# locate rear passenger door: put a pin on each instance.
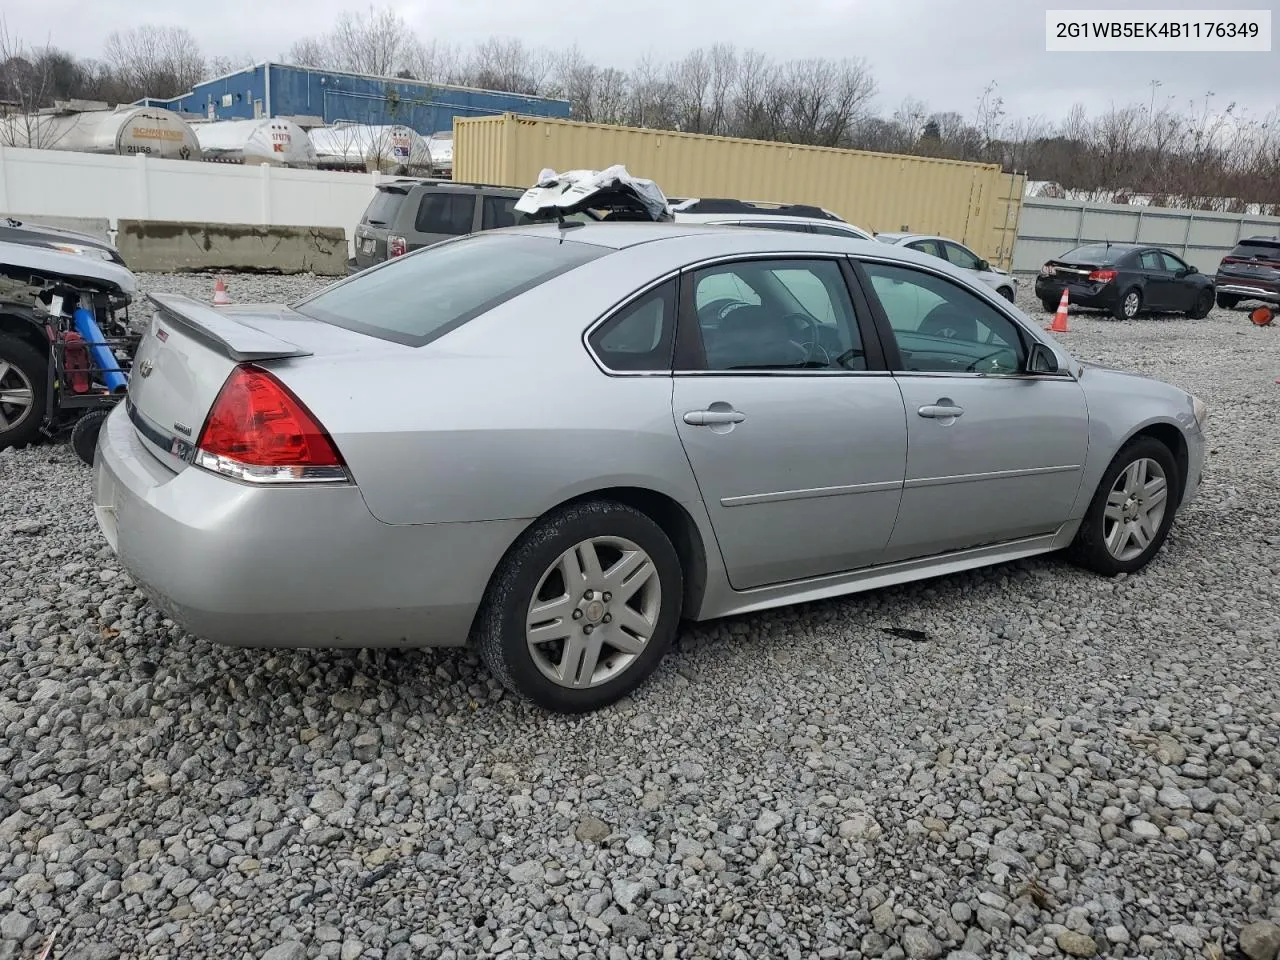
(792, 427)
(442, 214)
(1159, 293)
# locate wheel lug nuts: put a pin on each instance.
(577, 614)
(588, 628)
(607, 597)
(589, 595)
(608, 618)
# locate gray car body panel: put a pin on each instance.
(457, 446)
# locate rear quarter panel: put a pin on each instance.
(503, 418)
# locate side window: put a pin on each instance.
(498, 212)
(724, 289)
(777, 225)
(1171, 263)
(961, 257)
(1151, 260)
(825, 230)
(926, 246)
(445, 212)
(942, 328)
(640, 335)
(797, 316)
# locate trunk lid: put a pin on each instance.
(188, 351)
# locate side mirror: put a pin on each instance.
(1042, 359)
(1187, 271)
(983, 266)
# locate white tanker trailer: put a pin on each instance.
(275, 141)
(125, 130)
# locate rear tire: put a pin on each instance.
(1228, 301)
(1050, 306)
(565, 617)
(24, 378)
(84, 435)
(1202, 306)
(1121, 531)
(1007, 293)
(1128, 305)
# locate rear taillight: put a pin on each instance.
(1102, 276)
(258, 431)
(396, 246)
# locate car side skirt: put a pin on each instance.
(724, 602)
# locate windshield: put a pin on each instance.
(418, 298)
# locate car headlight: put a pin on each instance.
(1201, 410)
(82, 251)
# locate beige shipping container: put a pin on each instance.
(975, 203)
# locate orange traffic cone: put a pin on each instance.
(220, 298)
(1059, 324)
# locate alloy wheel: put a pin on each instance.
(1131, 303)
(1135, 509)
(595, 609)
(16, 396)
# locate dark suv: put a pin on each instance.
(406, 214)
(1250, 272)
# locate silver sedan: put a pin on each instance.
(555, 442)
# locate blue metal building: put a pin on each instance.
(278, 90)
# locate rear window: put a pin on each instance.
(1094, 253)
(1262, 249)
(383, 207)
(418, 298)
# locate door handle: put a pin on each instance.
(707, 418)
(940, 411)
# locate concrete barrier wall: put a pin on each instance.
(170, 245)
(61, 183)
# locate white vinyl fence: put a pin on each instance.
(1048, 228)
(60, 183)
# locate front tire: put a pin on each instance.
(1007, 293)
(1128, 305)
(582, 608)
(24, 375)
(1204, 303)
(1227, 301)
(1131, 512)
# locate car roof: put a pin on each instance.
(688, 242)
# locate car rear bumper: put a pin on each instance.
(1248, 288)
(1079, 292)
(286, 567)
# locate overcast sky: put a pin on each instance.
(939, 51)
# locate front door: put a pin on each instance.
(993, 454)
(796, 437)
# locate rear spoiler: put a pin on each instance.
(221, 331)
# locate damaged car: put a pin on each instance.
(65, 343)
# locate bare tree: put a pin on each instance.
(153, 61)
(27, 83)
(377, 41)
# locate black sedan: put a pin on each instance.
(1125, 279)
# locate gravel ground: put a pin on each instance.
(1058, 764)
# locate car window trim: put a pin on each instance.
(893, 356)
(690, 360)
